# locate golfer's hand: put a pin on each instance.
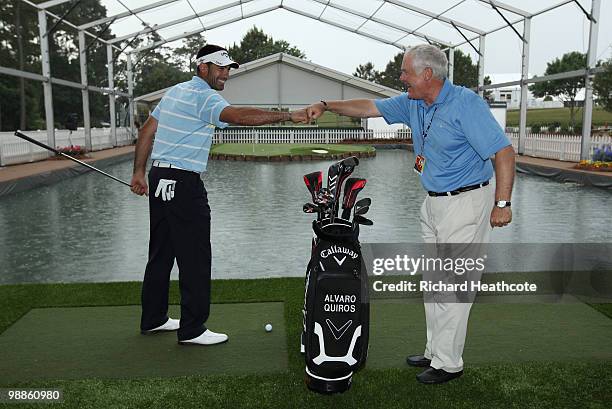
(315, 111)
(501, 217)
(139, 184)
(166, 189)
(299, 116)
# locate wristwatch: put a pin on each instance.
(502, 203)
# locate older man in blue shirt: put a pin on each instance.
(454, 136)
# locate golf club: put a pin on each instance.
(42, 145)
(353, 187)
(365, 201)
(361, 206)
(310, 208)
(313, 182)
(360, 211)
(362, 220)
(347, 188)
(347, 166)
(336, 175)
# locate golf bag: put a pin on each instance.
(336, 307)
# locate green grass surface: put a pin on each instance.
(567, 381)
(273, 149)
(107, 344)
(560, 115)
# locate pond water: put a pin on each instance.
(91, 229)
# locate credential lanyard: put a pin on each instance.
(426, 131)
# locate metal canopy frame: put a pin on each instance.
(468, 32)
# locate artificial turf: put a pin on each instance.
(566, 382)
(106, 343)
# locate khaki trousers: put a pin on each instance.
(464, 218)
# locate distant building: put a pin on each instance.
(511, 94)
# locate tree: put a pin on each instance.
(390, 77)
(158, 76)
(156, 68)
(256, 44)
(602, 86)
(19, 99)
(367, 72)
(566, 88)
(465, 73)
(187, 52)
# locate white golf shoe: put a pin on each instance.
(170, 325)
(207, 338)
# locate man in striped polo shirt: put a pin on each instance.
(180, 130)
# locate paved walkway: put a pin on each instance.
(557, 164)
(15, 172)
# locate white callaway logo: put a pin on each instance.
(340, 261)
(338, 250)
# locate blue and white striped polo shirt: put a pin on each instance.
(187, 116)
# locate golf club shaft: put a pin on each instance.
(42, 145)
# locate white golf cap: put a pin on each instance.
(220, 58)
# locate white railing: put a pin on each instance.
(14, 150)
(306, 135)
(556, 146)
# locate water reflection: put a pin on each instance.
(90, 228)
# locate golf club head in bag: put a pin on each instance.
(360, 211)
(358, 219)
(310, 208)
(351, 190)
(314, 182)
(365, 201)
(336, 175)
(362, 206)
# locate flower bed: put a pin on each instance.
(75, 151)
(597, 166)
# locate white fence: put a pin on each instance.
(306, 135)
(555, 146)
(15, 150)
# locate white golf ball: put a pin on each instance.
(268, 327)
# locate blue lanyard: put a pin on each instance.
(424, 131)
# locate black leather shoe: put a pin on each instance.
(418, 361)
(432, 376)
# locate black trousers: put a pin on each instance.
(179, 229)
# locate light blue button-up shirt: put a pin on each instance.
(461, 139)
(187, 116)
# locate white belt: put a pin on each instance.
(160, 164)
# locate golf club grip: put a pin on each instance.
(35, 142)
(87, 165)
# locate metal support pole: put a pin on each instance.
(587, 116)
(279, 83)
(111, 95)
(481, 50)
(451, 63)
(46, 72)
(524, 86)
(130, 80)
(84, 91)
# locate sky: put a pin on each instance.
(552, 34)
